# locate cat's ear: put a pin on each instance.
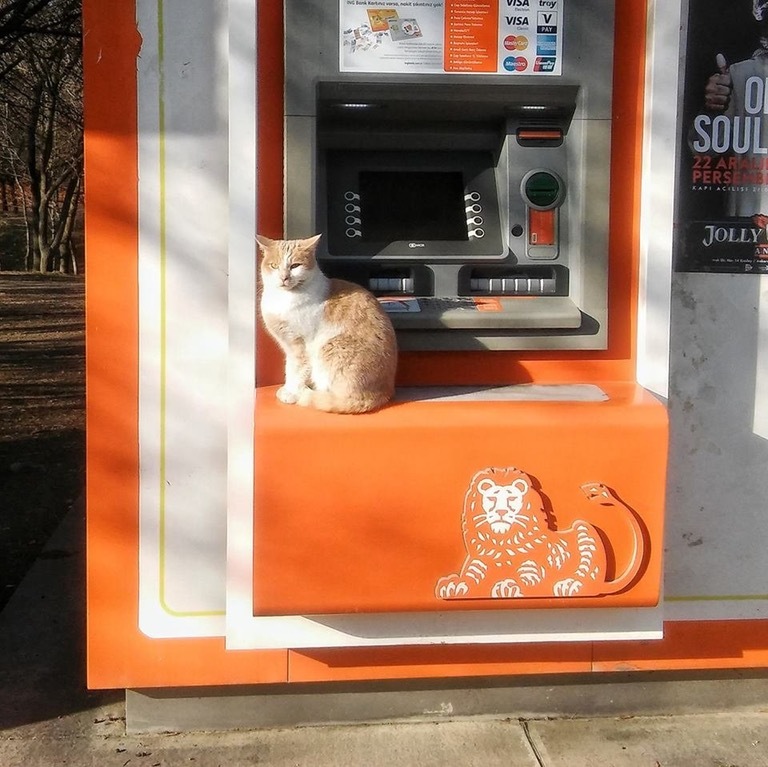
(311, 242)
(264, 242)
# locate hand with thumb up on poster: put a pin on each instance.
(717, 93)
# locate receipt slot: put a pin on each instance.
(477, 202)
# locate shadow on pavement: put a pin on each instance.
(42, 636)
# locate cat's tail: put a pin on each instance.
(597, 492)
(353, 404)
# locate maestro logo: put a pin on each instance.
(515, 64)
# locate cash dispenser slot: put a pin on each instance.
(514, 281)
(386, 280)
(394, 281)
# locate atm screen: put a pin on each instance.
(412, 205)
(409, 205)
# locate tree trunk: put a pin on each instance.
(68, 213)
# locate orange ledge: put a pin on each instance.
(374, 519)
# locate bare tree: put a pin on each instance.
(19, 18)
(41, 123)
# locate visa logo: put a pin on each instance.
(518, 4)
(517, 21)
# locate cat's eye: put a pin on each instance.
(294, 266)
(272, 265)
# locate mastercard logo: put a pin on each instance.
(515, 42)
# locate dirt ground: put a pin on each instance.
(42, 414)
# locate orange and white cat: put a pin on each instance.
(339, 345)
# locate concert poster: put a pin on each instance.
(722, 195)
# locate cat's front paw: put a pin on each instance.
(287, 395)
(305, 397)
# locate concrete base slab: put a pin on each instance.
(596, 695)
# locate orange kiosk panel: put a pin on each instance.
(430, 505)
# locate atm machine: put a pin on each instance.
(456, 158)
(477, 203)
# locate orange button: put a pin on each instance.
(541, 227)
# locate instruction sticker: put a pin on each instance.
(510, 37)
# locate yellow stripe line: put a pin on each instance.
(163, 537)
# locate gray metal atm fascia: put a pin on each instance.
(312, 54)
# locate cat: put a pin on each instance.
(513, 551)
(339, 344)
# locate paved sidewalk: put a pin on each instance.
(47, 718)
